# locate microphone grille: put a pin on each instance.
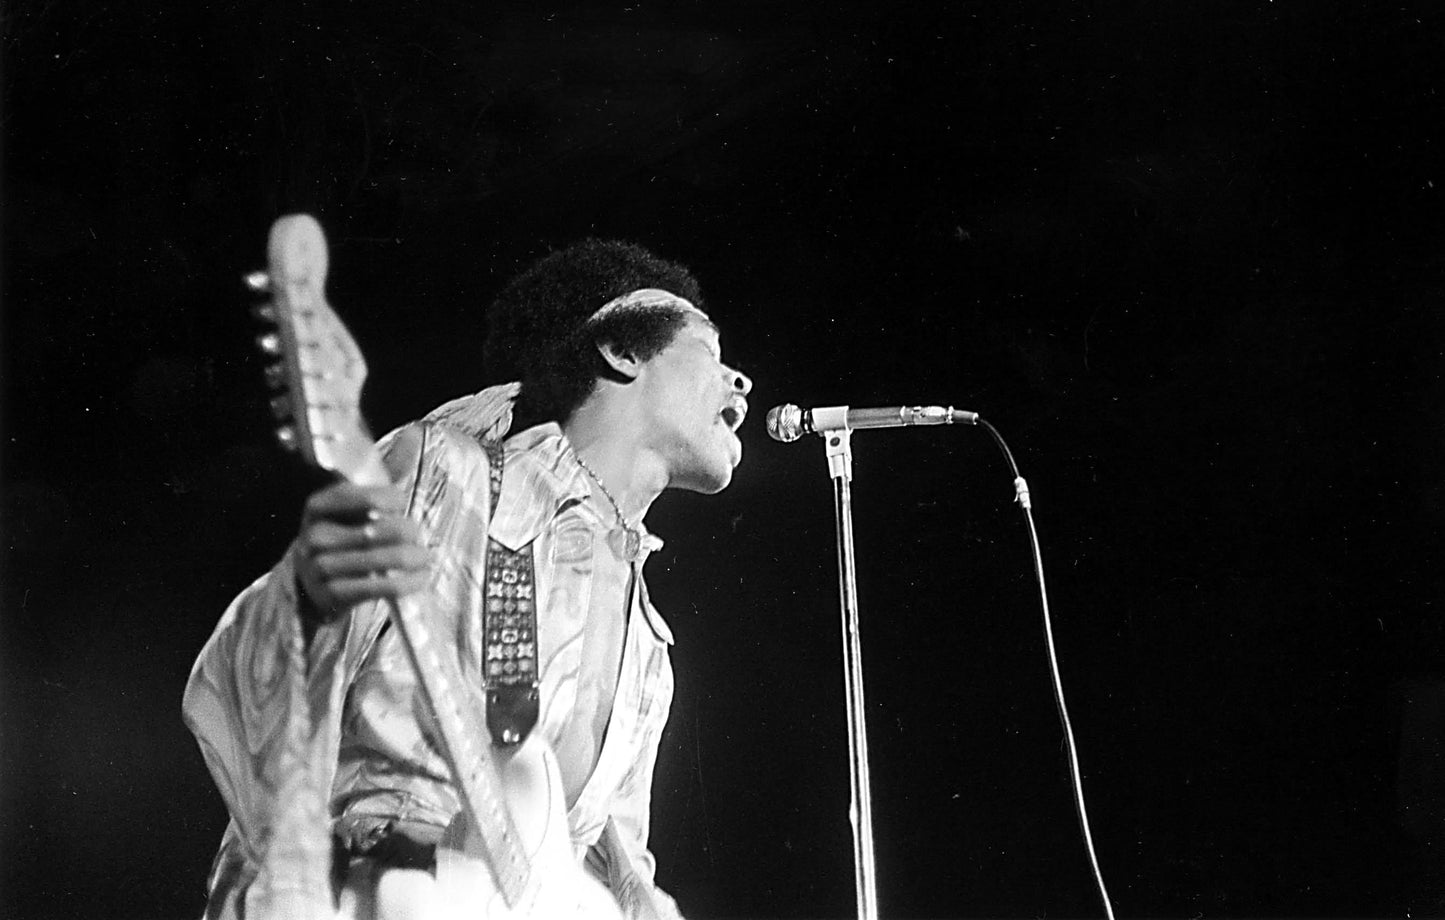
(785, 422)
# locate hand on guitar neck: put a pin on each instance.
(356, 544)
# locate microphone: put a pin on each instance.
(788, 422)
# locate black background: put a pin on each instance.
(1189, 257)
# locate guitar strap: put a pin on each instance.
(509, 629)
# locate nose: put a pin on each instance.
(740, 382)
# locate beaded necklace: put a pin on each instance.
(633, 539)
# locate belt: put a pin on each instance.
(392, 845)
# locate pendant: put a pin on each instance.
(626, 544)
(631, 546)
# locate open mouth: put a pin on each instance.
(734, 412)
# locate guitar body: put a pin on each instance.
(507, 853)
(534, 793)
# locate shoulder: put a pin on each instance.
(426, 439)
(425, 450)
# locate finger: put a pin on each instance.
(377, 586)
(402, 559)
(346, 501)
(325, 535)
(341, 498)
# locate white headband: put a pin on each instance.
(645, 299)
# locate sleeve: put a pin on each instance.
(265, 707)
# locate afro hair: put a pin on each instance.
(538, 330)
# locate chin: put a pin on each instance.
(708, 480)
(707, 468)
(708, 484)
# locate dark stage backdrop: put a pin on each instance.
(1188, 256)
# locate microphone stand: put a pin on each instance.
(860, 812)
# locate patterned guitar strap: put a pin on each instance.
(509, 629)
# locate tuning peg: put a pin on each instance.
(270, 343)
(281, 407)
(275, 376)
(260, 282)
(265, 312)
(286, 437)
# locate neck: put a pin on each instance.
(633, 474)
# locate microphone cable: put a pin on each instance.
(1021, 490)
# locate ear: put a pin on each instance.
(623, 363)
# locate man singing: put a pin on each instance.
(622, 373)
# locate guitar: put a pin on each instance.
(507, 854)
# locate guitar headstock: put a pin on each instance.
(320, 371)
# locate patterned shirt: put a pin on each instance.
(600, 638)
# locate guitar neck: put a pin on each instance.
(461, 733)
(462, 737)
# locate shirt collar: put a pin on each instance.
(541, 478)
